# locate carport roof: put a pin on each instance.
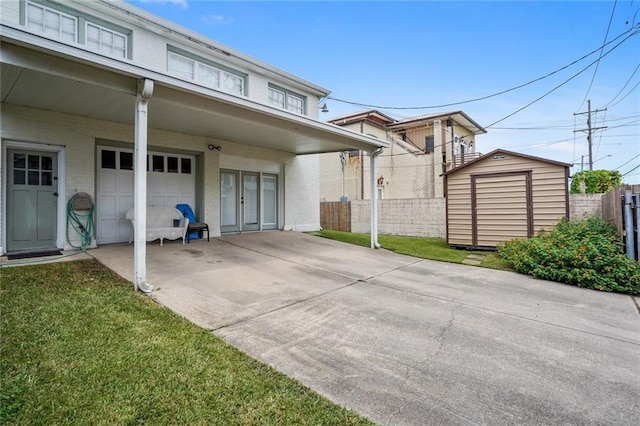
(45, 74)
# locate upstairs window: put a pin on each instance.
(62, 23)
(205, 74)
(107, 41)
(52, 23)
(284, 99)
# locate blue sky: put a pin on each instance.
(427, 53)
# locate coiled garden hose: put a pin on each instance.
(82, 223)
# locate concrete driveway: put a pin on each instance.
(403, 340)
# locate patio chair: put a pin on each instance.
(195, 229)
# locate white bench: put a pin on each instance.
(160, 223)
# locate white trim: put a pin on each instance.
(62, 198)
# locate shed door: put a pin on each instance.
(502, 208)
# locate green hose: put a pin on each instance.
(82, 224)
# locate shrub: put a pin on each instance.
(587, 253)
(596, 181)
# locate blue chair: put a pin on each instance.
(195, 229)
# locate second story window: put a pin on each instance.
(284, 99)
(107, 41)
(62, 23)
(205, 74)
(52, 23)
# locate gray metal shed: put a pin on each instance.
(504, 195)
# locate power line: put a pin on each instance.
(624, 164)
(493, 94)
(628, 93)
(595, 71)
(623, 87)
(563, 83)
(636, 167)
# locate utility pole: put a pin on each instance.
(590, 129)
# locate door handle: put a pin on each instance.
(55, 194)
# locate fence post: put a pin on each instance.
(628, 226)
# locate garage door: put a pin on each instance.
(501, 206)
(170, 181)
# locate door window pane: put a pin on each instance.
(250, 199)
(19, 177)
(34, 162)
(186, 165)
(19, 161)
(228, 199)
(108, 159)
(172, 164)
(47, 163)
(126, 161)
(34, 178)
(269, 199)
(46, 179)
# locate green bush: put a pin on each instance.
(587, 253)
(596, 181)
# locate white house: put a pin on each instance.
(104, 98)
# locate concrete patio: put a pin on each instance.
(404, 340)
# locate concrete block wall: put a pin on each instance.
(419, 217)
(581, 205)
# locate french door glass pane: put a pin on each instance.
(269, 199)
(228, 201)
(250, 193)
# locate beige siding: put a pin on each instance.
(501, 209)
(549, 200)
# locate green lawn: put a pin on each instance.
(425, 248)
(79, 346)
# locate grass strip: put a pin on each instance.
(78, 346)
(424, 248)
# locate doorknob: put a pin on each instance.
(55, 194)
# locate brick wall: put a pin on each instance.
(420, 217)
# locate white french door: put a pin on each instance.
(248, 201)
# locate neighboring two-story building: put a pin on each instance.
(94, 92)
(420, 150)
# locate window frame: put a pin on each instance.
(81, 20)
(287, 95)
(224, 73)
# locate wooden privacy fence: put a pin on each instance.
(612, 204)
(335, 215)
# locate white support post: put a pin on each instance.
(374, 197)
(145, 90)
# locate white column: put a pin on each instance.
(145, 90)
(374, 197)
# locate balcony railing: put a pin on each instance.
(460, 159)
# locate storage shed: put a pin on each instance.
(504, 195)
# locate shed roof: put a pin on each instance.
(504, 151)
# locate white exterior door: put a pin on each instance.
(170, 181)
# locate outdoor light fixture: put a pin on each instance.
(324, 108)
(212, 147)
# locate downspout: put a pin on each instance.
(145, 91)
(374, 198)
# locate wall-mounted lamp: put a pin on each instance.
(212, 147)
(324, 108)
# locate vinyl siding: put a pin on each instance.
(502, 200)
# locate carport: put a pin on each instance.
(403, 340)
(47, 75)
